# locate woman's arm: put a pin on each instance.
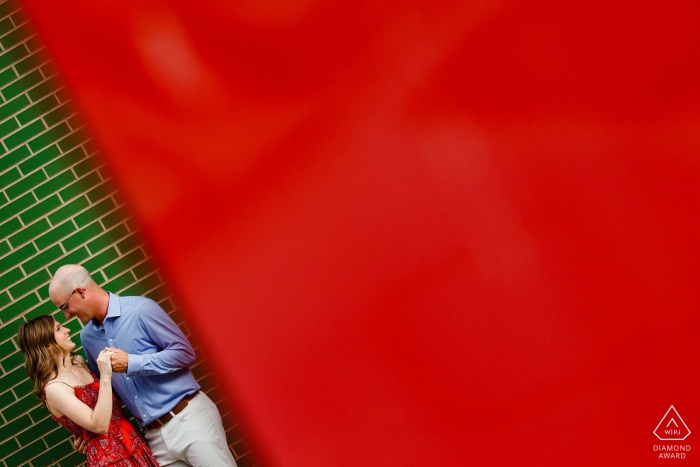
(63, 401)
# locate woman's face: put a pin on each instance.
(62, 337)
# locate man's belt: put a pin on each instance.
(159, 422)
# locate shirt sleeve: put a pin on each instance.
(175, 350)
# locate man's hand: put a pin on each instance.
(120, 360)
(80, 445)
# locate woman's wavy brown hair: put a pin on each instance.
(36, 339)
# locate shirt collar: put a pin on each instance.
(113, 311)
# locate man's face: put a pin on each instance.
(74, 305)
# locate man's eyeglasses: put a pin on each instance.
(64, 307)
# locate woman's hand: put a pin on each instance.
(104, 363)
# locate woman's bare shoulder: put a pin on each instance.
(80, 359)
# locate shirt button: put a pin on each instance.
(127, 378)
(136, 397)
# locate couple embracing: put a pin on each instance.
(133, 347)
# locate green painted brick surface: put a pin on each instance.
(4, 299)
(72, 140)
(10, 176)
(82, 235)
(7, 347)
(77, 256)
(14, 54)
(9, 445)
(54, 184)
(10, 227)
(22, 84)
(26, 184)
(7, 76)
(13, 361)
(108, 238)
(54, 454)
(18, 35)
(24, 134)
(19, 306)
(45, 308)
(15, 426)
(30, 282)
(129, 243)
(54, 234)
(66, 160)
(17, 256)
(44, 89)
(89, 214)
(8, 127)
(26, 453)
(55, 116)
(21, 406)
(99, 192)
(37, 110)
(29, 233)
(29, 63)
(80, 186)
(6, 25)
(125, 262)
(16, 206)
(72, 460)
(42, 157)
(49, 137)
(9, 329)
(14, 157)
(100, 259)
(40, 209)
(68, 209)
(11, 276)
(42, 258)
(36, 431)
(13, 106)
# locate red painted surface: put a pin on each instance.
(416, 233)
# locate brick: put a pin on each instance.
(129, 243)
(53, 134)
(76, 121)
(11, 226)
(10, 176)
(7, 398)
(94, 212)
(88, 165)
(6, 331)
(56, 452)
(40, 413)
(80, 186)
(18, 35)
(26, 453)
(11, 429)
(9, 57)
(27, 132)
(29, 63)
(120, 282)
(17, 256)
(8, 127)
(19, 17)
(114, 217)
(25, 387)
(39, 159)
(40, 209)
(19, 86)
(32, 282)
(26, 184)
(18, 408)
(11, 362)
(55, 234)
(63, 95)
(36, 431)
(37, 110)
(68, 210)
(99, 192)
(66, 160)
(100, 259)
(13, 157)
(108, 238)
(42, 258)
(55, 437)
(73, 257)
(246, 460)
(144, 269)
(83, 236)
(54, 184)
(55, 116)
(48, 69)
(6, 8)
(16, 206)
(13, 106)
(5, 26)
(123, 263)
(72, 140)
(8, 76)
(45, 308)
(161, 293)
(8, 446)
(4, 300)
(18, 307)
(44, 89)
(28, 233)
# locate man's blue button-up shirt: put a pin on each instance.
(158, 374)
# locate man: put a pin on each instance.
(151, 372)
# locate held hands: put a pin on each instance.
(104, 363)
(119, 358)
(80, 445)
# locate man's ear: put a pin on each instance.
(80, 291)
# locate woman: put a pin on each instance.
(77, 400)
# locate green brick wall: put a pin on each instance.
(57, 206)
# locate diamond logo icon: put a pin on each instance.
(672, 427)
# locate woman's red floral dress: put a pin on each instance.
(121, 446)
